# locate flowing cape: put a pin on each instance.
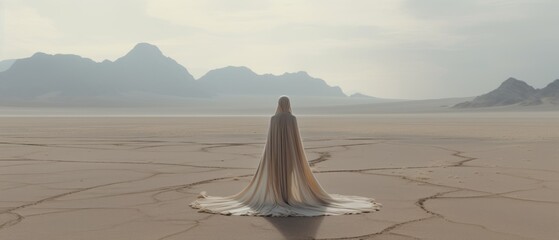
(284, 184)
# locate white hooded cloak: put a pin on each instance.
(284, 184)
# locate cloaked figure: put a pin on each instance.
(284, 184)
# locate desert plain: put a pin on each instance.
(438, 176)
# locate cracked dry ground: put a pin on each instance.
(438, 177)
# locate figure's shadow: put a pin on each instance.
(296, 227)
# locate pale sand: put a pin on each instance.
(441, 176)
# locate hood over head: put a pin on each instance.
(283, 105)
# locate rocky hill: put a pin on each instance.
(513, 91)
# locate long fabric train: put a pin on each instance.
(284, 184)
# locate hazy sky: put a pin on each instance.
(385, 48)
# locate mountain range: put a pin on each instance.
(145, 77)
(515, 92)
(143, 71)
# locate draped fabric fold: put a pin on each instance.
(284, 184)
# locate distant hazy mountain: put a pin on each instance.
(513, 91)
(146, 69)
(143, 70)
(550, 93)
(229, 81)
(6, 64)
(360, 95)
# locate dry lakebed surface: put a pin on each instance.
(438, 176)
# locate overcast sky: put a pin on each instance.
(385, 48)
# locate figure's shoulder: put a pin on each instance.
(284, 115)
